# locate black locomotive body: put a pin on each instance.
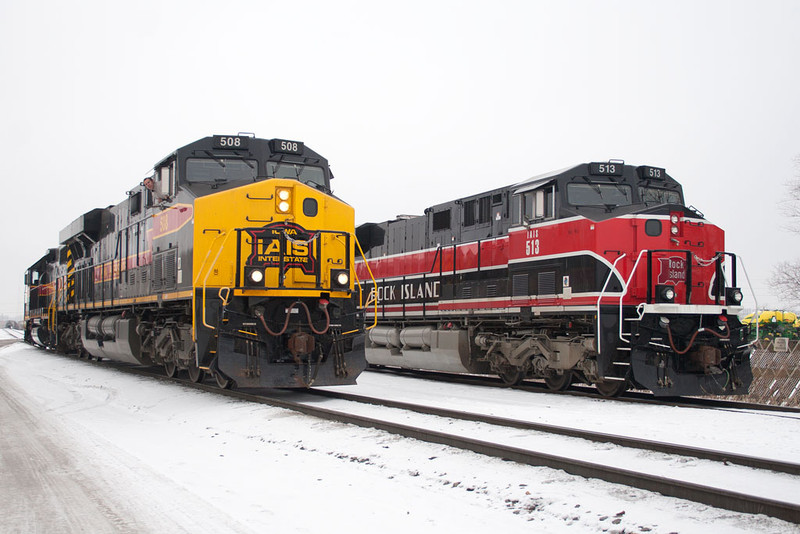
(233, 259)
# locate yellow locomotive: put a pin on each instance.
(232, 259)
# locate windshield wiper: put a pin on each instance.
(593, 185)
(619, 187)
(621, 190)
(221, 162)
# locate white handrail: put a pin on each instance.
(625, 292)
(600, 298)
(627, 285)
(756, 314)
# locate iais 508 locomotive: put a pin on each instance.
(232, 259)
(598, 273)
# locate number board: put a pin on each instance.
(287, 147)
(652, 173)
(606, 169)
(230, 142)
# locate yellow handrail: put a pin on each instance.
(51, 315)
(374, 285)
(197, 278)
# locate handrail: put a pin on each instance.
(360, 291)
(227, 236)
(600, 298)
(753, 295)
(194, 285)
(437, 256)
(649, 282)
(625, 291)
(207, 275)
(52, 315)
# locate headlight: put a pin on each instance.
(254, 276)
(674, 230)
(674, 219)
(340, 278)
(665, 293)
(284, 200)
(733, 296)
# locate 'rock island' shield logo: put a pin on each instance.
(297, 242)
(673, 270)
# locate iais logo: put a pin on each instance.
(295, 241)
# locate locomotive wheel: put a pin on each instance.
(196, 374)
(611, 388)
(511, 376)
(223, 382)
(171, 369)
(559, 382)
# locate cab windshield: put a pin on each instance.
(652, 195)
(220, 170)
(599, 194)
(314, 176)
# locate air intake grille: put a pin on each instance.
(164, 270)
(519, 285)
(547, 283)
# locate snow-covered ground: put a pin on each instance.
(765, 434)
(86, 448)
(10, 334)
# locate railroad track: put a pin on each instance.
(709, 495)
(578, 390)
(599, 437)
(700, 493)
(12, 336)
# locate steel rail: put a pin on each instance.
(634, 397)
(591, 435)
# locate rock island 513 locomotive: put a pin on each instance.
(598, 273)
(232, 259)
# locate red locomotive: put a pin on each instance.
(598, 273)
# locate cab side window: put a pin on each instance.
(536, 205)
(136, 203)
(165, 184)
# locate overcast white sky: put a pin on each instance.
(413, 102)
